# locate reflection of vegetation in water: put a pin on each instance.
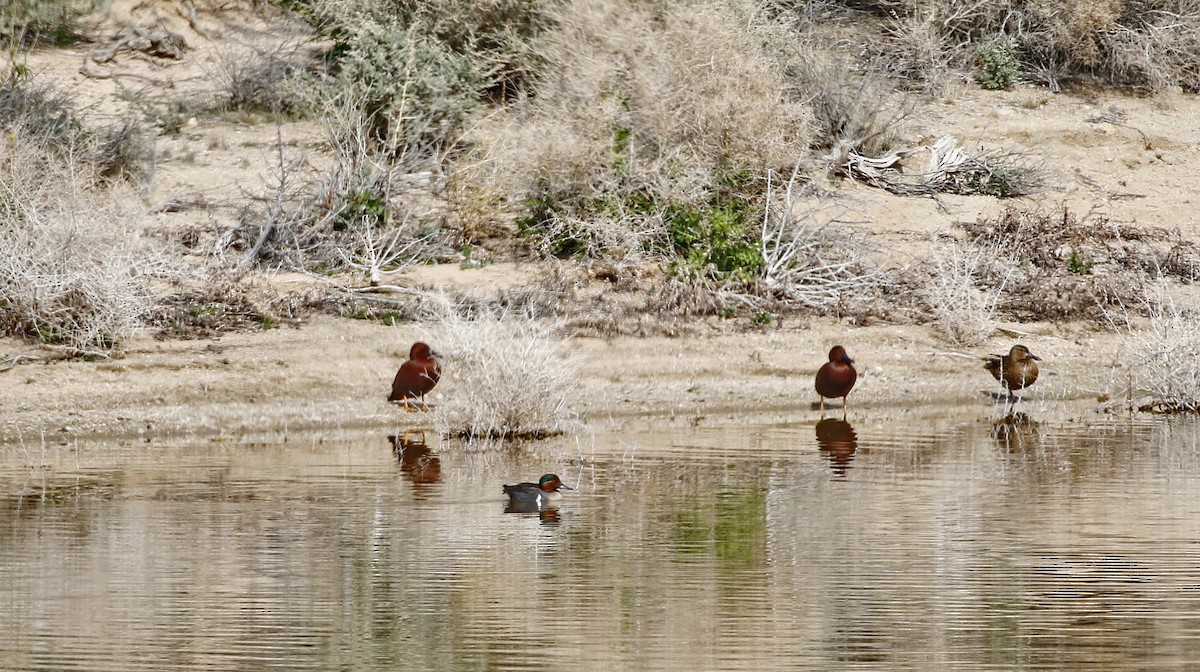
(732, 526)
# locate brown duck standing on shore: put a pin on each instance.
(836, 378)
(1016, 370)
(416, 377)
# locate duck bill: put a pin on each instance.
(564, 486)
(1033, 356)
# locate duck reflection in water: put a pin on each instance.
(548, 515)
(417, 461)
(1016, 432)
(838, 442)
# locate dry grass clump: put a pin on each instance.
(74, 268)
(1164, 360)
(1072, 266)
(267, 80)
(504, 376)
(42, 117)
(854, 108)
(1156, 48)
(36, 22)
(210, 301)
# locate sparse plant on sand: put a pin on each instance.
(504, 376)
(963, 309)
(36, 22)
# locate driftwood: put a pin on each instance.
(949, 169)
(152, 43)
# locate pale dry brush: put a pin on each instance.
(347, 212)
(963, 309)
(807, 260)
(1163, 370)
(74, 266)
(504, 376)
(1157, 49)
(649, 107)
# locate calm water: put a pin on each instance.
(959, 547)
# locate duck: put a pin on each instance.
(1016, 370)
(836, 378)
(416, 377)
(544, 492)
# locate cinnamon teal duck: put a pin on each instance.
(836, 378)
(1016, 370)
(416, 377)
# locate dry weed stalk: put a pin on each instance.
(504, 376)
(961, 309)
(378, 251)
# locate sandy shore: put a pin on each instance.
(334, 373)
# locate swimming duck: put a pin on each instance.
(545, 491)
(1016, 370)
(416, 377)
(836, 378)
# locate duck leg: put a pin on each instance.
(845, 406)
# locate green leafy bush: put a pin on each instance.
(998, 60)
(416, 91)
(715, 239)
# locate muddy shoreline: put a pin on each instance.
(333, 373)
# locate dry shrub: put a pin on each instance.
(73, 266)
(962, 306)
(1072, 266)
(504, 376)
(372, 210)
(263, 80)
(809, 260)
(1147, 44)
(646, 107)
(1156, 46)
(210, 301)
(914, 47)
(854, 108)
(1164, 353)
(41, 118)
